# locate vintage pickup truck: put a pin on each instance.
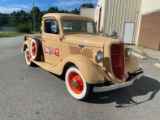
(69, 44)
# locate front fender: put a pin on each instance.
(91, 72)
(131, 65)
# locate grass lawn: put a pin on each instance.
(2, 35)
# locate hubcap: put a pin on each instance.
(75, 82)
(33, 49)
(27, 55)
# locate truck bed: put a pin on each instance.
(32, 36)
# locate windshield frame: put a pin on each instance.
(80, 20)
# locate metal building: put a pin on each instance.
(89, 12)
(120, 16)
(134, 21)
(149, 35)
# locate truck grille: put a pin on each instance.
(117, 59)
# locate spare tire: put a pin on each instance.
(35, 49)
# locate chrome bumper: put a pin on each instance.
(132, 77)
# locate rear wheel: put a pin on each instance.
(28, 58)
(35, 49)
(76, 85)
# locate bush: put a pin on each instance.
(24, 28)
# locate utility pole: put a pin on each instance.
(33, 18)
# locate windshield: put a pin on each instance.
(78, 26)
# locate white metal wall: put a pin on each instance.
(150, 6)
(114, 15)
(89, 12)
(101, 4)
(118, 12)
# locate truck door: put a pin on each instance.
(51, 41)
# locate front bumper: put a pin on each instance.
(132, 77)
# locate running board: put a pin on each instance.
(44, 65)
(53, 68)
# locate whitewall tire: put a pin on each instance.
(76, 85)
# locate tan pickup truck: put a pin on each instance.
(69, 44)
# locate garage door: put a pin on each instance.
(128, 33)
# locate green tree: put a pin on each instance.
(87, 5)
(24, 28)
(3, 20)
(23, 16)
(53, 10)
(37, 13)
(75, 11)
(63, 11)
(22, 19)
(13, 19)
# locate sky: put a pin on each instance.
(8, 6)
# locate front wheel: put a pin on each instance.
(76, 85)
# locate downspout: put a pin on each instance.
(105, 12)
(139, 22)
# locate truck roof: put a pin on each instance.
(64, 15)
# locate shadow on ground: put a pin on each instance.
(124, 96)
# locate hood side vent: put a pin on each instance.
(85, 51)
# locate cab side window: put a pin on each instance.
(51, 26)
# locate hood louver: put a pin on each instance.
(85, 51)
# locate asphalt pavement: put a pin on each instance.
(31, 93)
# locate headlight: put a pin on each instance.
(99, 56)
(128, 51)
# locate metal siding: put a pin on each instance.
(127, 11)
(134, 10)
(102, 6)
(149, 6)
(137, 19)
(121, 18)
(115, 13)
(89, 12)
(121, 13)
(118, 12)
(118, 15)
(114, 17)
(110, 17)
(106, 23)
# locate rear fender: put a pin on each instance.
(27, 41)
(91, 72)
(24, 46)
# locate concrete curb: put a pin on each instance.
(157, 65)
(138, 55)
(148, 53)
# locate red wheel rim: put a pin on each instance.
(34, 49)
(28, 56)
(75, 82)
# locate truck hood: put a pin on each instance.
(89, 40)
